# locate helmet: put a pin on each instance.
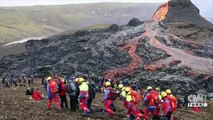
(163, 94)
(120, 86)
(149, 88)
(49, 78)
(168, 91)
(80, 80)
(107, 84)
(123, 89)
(76, 80)
(157, 89)
(127, 89)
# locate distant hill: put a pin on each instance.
(22, 22)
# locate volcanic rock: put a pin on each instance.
(185, 11)
(114, 27)
(134, 22)
(138, 51)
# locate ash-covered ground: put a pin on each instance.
(15, 105)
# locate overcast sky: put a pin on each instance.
(205, 6)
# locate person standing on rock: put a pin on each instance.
(52, 94)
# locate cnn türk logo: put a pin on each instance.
(197, 100)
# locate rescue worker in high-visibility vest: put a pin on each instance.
(132, 99)
(122, 92)
(83, 95)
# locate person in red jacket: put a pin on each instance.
(158, 102)
(52, 89)
(62, 93)
(133, 99)
(37, 95)
(150, 100)
(108, 103)
(166, 106)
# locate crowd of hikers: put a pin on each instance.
(82, 91)
(14, 81)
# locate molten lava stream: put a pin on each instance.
(197, 64)
(132, 47)
(160, 14)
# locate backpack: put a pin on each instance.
(113, 95)
(173, 102)
(59, 87)
(135, 97)
(68, 88)
(53, 87)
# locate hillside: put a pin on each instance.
(183, 19)
(21, 22)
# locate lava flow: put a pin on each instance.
(131, 46)
(160, 14)
(197, 64)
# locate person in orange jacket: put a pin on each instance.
(52, 89)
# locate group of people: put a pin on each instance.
(15, 81)
(153, 99)
(82, 91)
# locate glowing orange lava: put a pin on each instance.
(198, 65)
(160, 14)
(131, 46)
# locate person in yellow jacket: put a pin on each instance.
(84, 95)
